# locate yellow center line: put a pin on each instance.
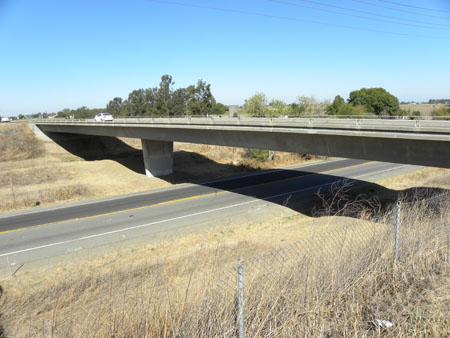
(114, 212)
(178, 200)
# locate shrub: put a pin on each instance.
(259, 154)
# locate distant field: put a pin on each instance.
(424, 109)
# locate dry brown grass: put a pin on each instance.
(29, 175)
(17, 142)
(28, 198)
(331, 286)
(340, 284)
(427, 177)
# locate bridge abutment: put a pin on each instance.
(158, 157)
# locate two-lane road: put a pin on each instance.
(151, 198)
(32, 235)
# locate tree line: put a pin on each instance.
(158, 101)
(198, 99)
(165, 101)
(438, 101)
(376, 101)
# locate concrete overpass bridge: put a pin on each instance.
(419, 142)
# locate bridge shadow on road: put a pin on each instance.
(317, 195)
(336, 196)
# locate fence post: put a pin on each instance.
(447, 230)
(240, 270)
(397, 231)
(9, 265)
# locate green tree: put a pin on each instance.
(219, 109)
(136, 105)
(165, 101)
(177, 102)
(307, 103)
(335, 107)
(340, 107)
(66, 112)
(83, 113)
(303, 105)
(163, 95)
(150, 100)
(115, 106)
(200, 99)
(295, 109)
(256, 105)
(79, 113)
(376, 101)
(278, 108)
(437, 101)
(441, 112)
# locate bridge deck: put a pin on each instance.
(420, 142)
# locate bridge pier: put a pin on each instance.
(158, 157)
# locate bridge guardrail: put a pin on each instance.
(401, 125)
(241, 117)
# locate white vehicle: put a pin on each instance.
(103, 117)
(5, 119)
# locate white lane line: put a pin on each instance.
(155, 191)
(190, 215)
(382, 171)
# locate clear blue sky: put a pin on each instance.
(65, 54)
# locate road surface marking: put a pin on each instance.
(190, 215)
(179, 199)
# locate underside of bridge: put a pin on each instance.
(157, 143)
(157, 155)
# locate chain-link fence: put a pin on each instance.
(266, 293)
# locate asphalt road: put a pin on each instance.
(41, 233)
(52, 215)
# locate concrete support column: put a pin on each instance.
(158, 157)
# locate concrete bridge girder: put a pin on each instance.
(429, 148)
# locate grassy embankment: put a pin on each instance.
(29, 177)
(36, 173)
(149, 291)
